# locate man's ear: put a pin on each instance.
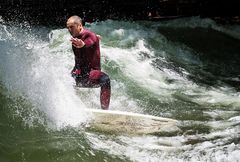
(80, 26)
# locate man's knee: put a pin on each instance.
(95, 74)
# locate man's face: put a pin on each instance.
(73, 28)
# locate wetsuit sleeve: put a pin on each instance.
(90, 40)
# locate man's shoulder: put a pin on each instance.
(87, 31)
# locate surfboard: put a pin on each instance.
(111, 121)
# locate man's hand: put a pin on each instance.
(99, 36)
(78, 43)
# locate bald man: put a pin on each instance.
(87, 70)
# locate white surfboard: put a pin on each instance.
(130, 123)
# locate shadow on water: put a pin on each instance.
(218, 54)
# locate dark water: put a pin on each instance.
(186, 69)
(218, 52)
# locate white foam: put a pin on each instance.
(119, 33)
(42, 75)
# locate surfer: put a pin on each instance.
(87, 70)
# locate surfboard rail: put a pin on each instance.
(112, 121)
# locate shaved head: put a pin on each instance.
(75, 19)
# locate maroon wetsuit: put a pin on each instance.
(87, 71)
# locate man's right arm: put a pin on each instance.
(78, 43)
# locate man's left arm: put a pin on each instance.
(90, 40)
